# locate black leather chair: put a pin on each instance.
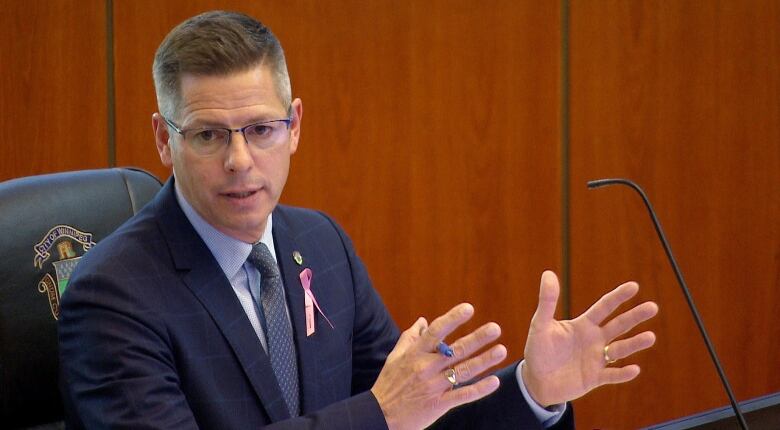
(47, 223)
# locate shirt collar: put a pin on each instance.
(229, 252)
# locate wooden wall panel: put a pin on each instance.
(52, 87)
(684, 98)
(431, 132)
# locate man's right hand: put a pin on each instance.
(412, 388)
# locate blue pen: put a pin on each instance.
(445, 349)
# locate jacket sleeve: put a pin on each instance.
(506, 408)
(116, 371)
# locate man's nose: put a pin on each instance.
(238, 157)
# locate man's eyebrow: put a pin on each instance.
(198, 122)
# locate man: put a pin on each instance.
(215, 307)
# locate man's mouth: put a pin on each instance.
(240, 195)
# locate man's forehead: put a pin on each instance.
(251, 92)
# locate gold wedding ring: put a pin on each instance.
(450, 374)
(606, 356)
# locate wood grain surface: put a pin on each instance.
(434, 132)
(52, 87)
(684, 98)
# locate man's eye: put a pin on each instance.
(259, 130)
(206, 136)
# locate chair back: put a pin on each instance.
(47, 223)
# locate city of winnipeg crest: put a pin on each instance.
(66, 240)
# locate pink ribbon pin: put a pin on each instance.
(310, 300)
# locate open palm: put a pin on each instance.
(566, 359)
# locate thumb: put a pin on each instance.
(549, 289)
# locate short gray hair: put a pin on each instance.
(216, 43)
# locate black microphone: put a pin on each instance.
(734, 405)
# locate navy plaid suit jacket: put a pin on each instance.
(152, 335)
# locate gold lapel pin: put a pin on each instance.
(298, 257)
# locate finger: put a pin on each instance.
(623, 348)
(611, 301)
(469, 393)
(474, 341)
(549, 289)
(469, 369)
(418, 327)
(628, 320)
(444, 325)
(618, 375)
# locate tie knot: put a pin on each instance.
(262, 259)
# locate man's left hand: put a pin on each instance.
(564, 360)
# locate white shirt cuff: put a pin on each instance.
(548, 417)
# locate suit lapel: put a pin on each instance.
(209, 284)
(306, 346)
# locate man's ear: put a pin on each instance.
(162, 138)
(295, 126)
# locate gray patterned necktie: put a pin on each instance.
(279, 338)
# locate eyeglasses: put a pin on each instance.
(210, 140)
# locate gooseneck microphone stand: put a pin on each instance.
(734, 405)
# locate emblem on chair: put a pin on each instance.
(62, 237)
